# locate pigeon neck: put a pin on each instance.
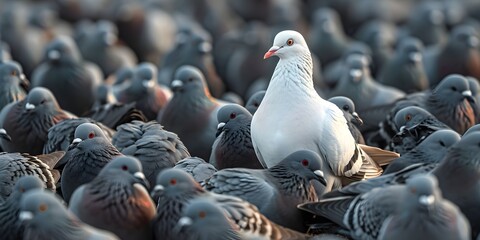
(292, 184)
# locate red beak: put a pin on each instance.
(271, 52)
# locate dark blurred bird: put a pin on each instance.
(13, 83)
(143, 89)
(27, 121)
(89, 152)
(101, 46)
(254, 101)
(353, 120)
(155, 147)
(192, 112)
(427, 23)
(233, 145)
(115, 114)
(71, 80)
(197, 167)
(117, 200)
(405, 69)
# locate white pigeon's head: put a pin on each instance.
(288, 44)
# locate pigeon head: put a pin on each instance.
(189, 78)
(40, 99)
(86, 131)
(144, 78)
(328, 20)
(107, 32)
(127, 166)
(229, 114)
(123, 75)
(474, 86)
(62, 50)
(27, 183)
(358, 48)
(254, 101)
(173, 183)
(410, 116)
(204, 219)
(288, 44)
(466, 152)
(348, 107)
(356, 68)
(38, 207)
(304, 163)
(441, 140)
(410, 50)
(428, 13)
(11, 72)
(456, 87)
(464, 37)
(474, 128)
(424, 191)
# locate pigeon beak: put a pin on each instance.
(53, 55)
(22, 76)
(176, 85)
(356, 74)
(205, 47)
(220, 125)
(156, 190)
(148, 83)
(426, 200)
(4, 135)
(25, 215)
(357, 118)
(109, 38)
(415, 56)
(29, 106)
(473, 41)
(321, 177)
(184, 221)
(402, 129)
(436, 17)
(76, 140)
(271, 52)
(467, 93)
(140, 176)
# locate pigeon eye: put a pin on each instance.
(408, 117)
(441, 143)
(256, 104)
(21, 189)
(413, 190)
(202, 214)
(454, 88)
(290, 42)
(305, 162)
(91, 135)
(43, 101)
(190, 79)
(124, 167)
(13, 73)
(43, 207)
(233, 115)
(346, 107)
(173, 181)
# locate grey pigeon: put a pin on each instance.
(101, 46)
(254, 101)
(275, 191)
(427, 23)
(357, 84)
(430, 150)
(291, 101)
(150, 97)
(61, 135)
(414, 124)
(175, 188)
(405, 70)
(115, 114)
(233, 146)
(192, 112)
(13, 83)
(15, 165)
(117, 200)
(89, 152)
(362, 215)
(203, 220)
(197, 167)
(424, 214)
(27, 121)
(11, 227)
(45, 217)
(353, 120)
(155, 147)
(472, 129)
(72, 81)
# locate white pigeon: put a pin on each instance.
(292, 116)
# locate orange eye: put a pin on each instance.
(173, 181)
(305, 162)
(290, 42)
(124, 167)
(42, 207)
(91, 135)
(202, 214)
(408, 117)
(13, 73)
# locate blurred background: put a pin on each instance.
(226, 39)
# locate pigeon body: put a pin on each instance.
(155, 147)
(275, 191)
(72, 81)
(291, 101)
(197, 168)
(27, 121)
(46, 217)
(424, 214)
(117, 200)
(192, 112)
(89, 152)
(13, 84)
(233, 145)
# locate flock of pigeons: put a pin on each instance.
(160, 119)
